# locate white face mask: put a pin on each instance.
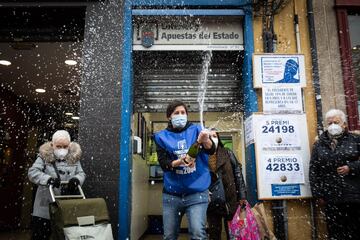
(179, 121)
(216, 142)
(61, 153)
(335, 129)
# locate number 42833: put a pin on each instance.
(275, 167)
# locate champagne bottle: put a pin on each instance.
(194, 150)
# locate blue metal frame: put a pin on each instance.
(124, 201)
(190, 2)
(250, 98)
(251, 104)
(188, 12)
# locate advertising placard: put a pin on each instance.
(282, 156)
(188, 33)
(282, 99)
(283, 168)
(279, 69)
(278, 133)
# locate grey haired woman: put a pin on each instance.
(335, 177)
(58, 160)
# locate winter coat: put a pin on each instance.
(325, 182)
(171, 144)
(234, 185)
(42, 170)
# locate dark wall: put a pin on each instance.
(101, 102)
(17, 118)
(14, 120)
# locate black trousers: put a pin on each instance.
(215, 226)
(41, 228)
(343, 221)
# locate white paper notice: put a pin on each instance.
(278, 132)
(282, 99)
(283, 169)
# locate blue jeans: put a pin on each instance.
(194, 206)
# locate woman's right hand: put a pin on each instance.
(179, 162)
(176, 163)
(184, 160)
(242, 202)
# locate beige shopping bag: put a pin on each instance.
(263, 225)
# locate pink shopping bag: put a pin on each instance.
(243, 226)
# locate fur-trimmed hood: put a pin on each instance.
(46, 152)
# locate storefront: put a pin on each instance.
(136, 56)
(163, 55)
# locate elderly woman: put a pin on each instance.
(58, 160)
(335, 177)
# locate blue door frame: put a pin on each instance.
(250, 98)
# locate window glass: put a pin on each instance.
(354, 29)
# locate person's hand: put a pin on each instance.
(188, 161)
(73, 185)
(191, 164)
(178, 162)
(242, 202)
(55, 182)
(203, 136)
(343, 170)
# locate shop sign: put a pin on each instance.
(279, 69)
(223, 31)
(282, 99)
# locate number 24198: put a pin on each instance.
(278, 129)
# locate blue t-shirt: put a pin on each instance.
(183, 179)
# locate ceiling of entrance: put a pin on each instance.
(37, 41)
(42, 65)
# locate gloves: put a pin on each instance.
(55, 182)
(73, 183)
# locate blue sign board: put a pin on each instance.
(285, 189)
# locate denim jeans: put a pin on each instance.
(194, 206)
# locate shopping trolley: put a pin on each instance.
(76, 217)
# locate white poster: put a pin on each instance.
(279, 69)
(285, 168)
(282, 99)
(282, 156)
(249, 133)
(279, 132)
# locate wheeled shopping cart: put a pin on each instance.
(76, 217)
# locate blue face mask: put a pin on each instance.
(179, 121)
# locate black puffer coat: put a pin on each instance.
(325, 182)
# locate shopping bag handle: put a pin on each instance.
(54, 197)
